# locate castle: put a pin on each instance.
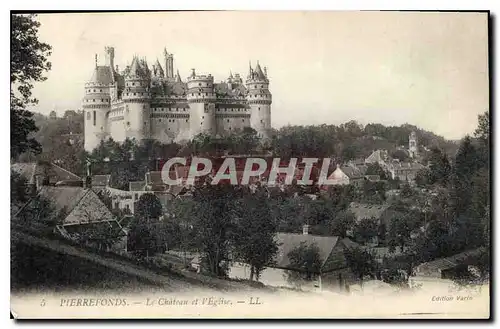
(144, 103)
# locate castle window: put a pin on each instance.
(227, 120)
(242, 120)
(94, 118)
(261, 121)
(100, 90)
(93, 90)
(187, 120)
(159, 120)
(133, 83)
(259, 108)
(93, 100)
(134, 94)
(102, 100)
(199, 84)
(199, 94)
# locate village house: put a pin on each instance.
(333, 275)
(405, 171)
(443, 272)
(38, 174)
(79, 215)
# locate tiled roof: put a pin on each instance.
(377, 156)
(55, 173)
(326, 244)
(351, 172)
(63, 197)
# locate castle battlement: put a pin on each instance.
(144, 103)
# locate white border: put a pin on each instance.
(190, 5)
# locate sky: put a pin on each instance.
(427, 69)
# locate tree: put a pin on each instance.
(401, 155)
(254, 236)
(366, 230)
(214, 214)
(342, 223)
(440, 168)
(305, 263)
(361, 262)
(28, 64)
(149, 207)
(144, 238)
(376, 169)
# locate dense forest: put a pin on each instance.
(61, 139)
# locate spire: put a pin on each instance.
(159, 68)
(230, 74)
(95, 60)
(259, 73)
(178, 77)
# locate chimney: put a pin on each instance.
(305, 229)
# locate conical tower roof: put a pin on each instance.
(159, 68)
(259, 74)
(136, 70)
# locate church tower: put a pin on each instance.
(96, 105)
(259, 99)
(413, 146)
(201, 99)
(136, 97)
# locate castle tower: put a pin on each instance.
(110, 57)
(259, 99)
(413, 145)
(201, 99)
(96, 105)
(136, 97)
(169, 64)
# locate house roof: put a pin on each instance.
(352, 172)
(407, 166)
(377, 156)
(435, 267)
(366, 211)
(326, 245)
(32, 169)
(154, 178)
(137, 186)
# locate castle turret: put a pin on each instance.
(201, 98)
(96, 105)
(158, 70)
(259, 99)
(136, 97)
(169, 64)
(110, 57)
